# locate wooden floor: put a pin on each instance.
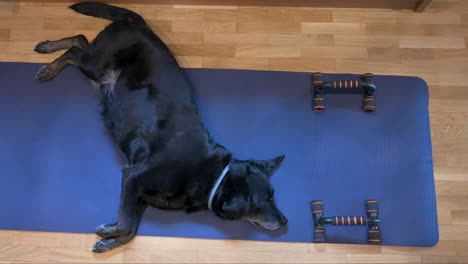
(431, 45)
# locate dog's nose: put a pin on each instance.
(283, 220)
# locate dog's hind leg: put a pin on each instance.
(47, 46)
(113, 236)
(113, 230)
(49, 71)
(131, 209)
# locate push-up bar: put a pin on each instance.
(364, 83)
(372, 221)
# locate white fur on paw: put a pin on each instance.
(43, 74)
(104, 245)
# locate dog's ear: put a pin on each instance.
(269, 166)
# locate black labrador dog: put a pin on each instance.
(173, 162)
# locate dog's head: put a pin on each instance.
(247, 194)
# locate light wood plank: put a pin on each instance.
(174, 14)
(428, 18)
(392, 17)
(429, 66)
(8, 9)
(451, 188)
(389, 55)
(39, 239)
(447, 92)
(232, 15)
(18, 47)
(443, 260)
(269, 15)
(230, 256)
(75, 23)
(452, 105)
(449, 31)
(377, 41)
(453, 232)
(335, 52)
(181, 37)
(358, 258)
(24, 253)
(442, 248)
(460, 217)
(442, 79)
(457, 174)
(360, 66)
(452, 202)
(202, 50)
(450, 146)
(27, 35)
(396, 29)
(6, 237)
(450, 133)
(450, 54)
(302, 64)
(396, 55)
(83, 255)
(237, 38)
(268, 51)
(344, 248)
(203, 26)
(21, 23)
(4, 34)
(357, 16)
(449, 118)
(269, 27)
(332, 28)
(440, 159)
(235, 63)
(432, 42)
(185, 6)
(60, 11)
(28, 57)
(444, 216)
(457, 159)
(291, 39)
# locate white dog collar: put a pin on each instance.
(216, 186)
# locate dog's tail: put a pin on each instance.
(106, 11)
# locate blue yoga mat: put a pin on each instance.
(61, 172)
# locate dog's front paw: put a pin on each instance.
(105, 245)
(106, 230)
(43, 47)
(44, 73)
